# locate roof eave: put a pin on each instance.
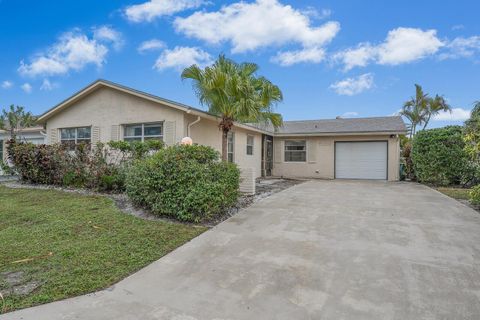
(349, 133)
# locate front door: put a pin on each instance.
(267, 155)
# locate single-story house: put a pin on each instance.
(361, 148)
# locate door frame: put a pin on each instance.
(356, 141)
(267, 170)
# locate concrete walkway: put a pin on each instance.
(319, 250)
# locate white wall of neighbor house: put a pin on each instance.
(320, 156)
(206, 132)
(30, 137)
(107, 110)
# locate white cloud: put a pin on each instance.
(108, 34)
(47, 85)
(26, 87)
(457, 114)
(349, 114)
(461, 48)
(152, 9)
(182, 57)
(288, 58)
(249, 26)
(458, 27)
(73, 51)
(353, 86)
(149, 45)
(7, 84)
(402, 45)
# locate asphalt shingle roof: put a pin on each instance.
(392, 124)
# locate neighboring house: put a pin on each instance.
(35, 135)
(359, 148)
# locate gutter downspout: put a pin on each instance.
(192, 124)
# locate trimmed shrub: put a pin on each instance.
(439, 157)
(187, 183)
(475, 195)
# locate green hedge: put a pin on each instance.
(439, 157)
(187, 183)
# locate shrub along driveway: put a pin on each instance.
(321, 249)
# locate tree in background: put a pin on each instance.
(414, 109)
(472, 137)
(421, 108)
(15, 119)
(234, 92)
(434, 107)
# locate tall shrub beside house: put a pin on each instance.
(439, 156)
(187, 183)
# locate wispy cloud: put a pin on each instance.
(353, 86)
(461, 47)
(7, 84)
(457, 114)
(47, 85)
(181, 57)
(150, 10)
(26, 87)
(151, 45)
(309, 55)
(108, 34)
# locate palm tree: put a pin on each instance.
(434, 106)
(235, 93)
(415, 109)
(15, 119)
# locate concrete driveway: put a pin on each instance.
(319, 250)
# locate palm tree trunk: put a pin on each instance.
(426, 122)
(224, 145)
(225, 125)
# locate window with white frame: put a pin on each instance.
(71, 137)
(231, 146)
(250, 140)
(295, 151)
(143, 132)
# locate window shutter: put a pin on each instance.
(53, 136)
(277, 151)
(169, 133)
(115, 133)
(95, 135)
(311, 151)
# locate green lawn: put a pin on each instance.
(456, 193)
(79, 244)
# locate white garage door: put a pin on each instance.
(361, 160)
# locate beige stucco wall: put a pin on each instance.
(109, 109)
(206, 132)
(106, 108)
(321, 157)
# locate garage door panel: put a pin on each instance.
(361, 160)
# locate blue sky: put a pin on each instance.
(351, 58)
